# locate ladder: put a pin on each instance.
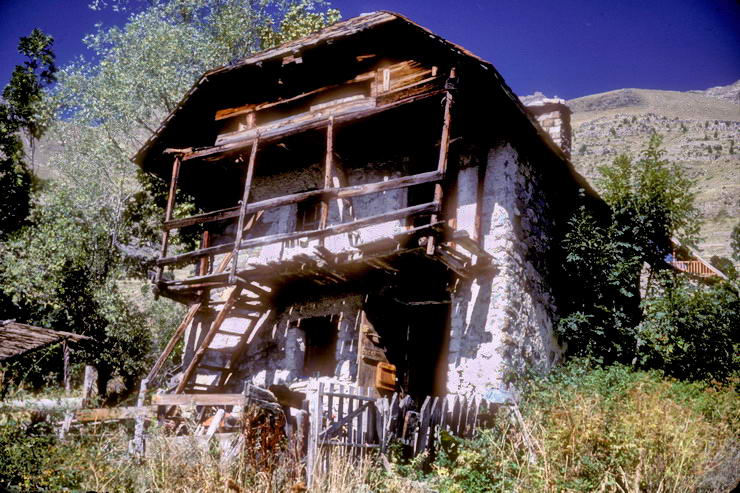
(249, 301)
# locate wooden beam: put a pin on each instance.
(338, 192)
(430, 207)
(113, 413)
(280, 132)
(444, 147)
(168, 212)
(179, 331)
(328, 172)
(243, 211)
(199, 400)
(248, 108)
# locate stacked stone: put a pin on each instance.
(553, 116)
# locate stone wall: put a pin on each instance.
(501, 321)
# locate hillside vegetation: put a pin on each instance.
(701, 133)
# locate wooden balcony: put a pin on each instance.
(695, 268)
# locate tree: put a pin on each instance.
(651, 202)
(98, 221)
(110, 105)
(22, 111)
(735, 242)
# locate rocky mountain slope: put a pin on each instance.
(701, 131)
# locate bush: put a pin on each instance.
(30, 455)
(690, 331)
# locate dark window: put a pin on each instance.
(321, 344)
(308, 215)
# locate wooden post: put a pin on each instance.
(328, 173)
(313, 433)
(444, 146)
(168, 212)
(138, 441)
(89, 385)
(65, 371)
(245, 198)
(205, 242)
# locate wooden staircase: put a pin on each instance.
(247, 301)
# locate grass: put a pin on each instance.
(583, 430)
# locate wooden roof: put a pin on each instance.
(17, 339)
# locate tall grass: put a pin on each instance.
(583, 430)
(609, 429)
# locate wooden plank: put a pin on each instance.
(189, 316)
(313, 433)
(243, 210)
(199, 399)
(168, 212)
(471, 418)
(215, 423)
(360, 430)
(340, 404)
(429, 207)
(348, 394)
(444, 147)
(455, 415)
(206, 217)
(328, 172)
(338, 192)
(113, 413)
(247, 108)
(278, 133)
(198, 356)
(463, 417)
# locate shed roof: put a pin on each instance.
(17, 339)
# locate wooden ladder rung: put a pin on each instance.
(213, 368)
(230, 333)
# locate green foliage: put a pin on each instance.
(690, 332)
(735, 242)
(651, 202)
(31, 455)
(22, 111)
(602, 273)
(725, 265)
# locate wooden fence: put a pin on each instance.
(350, 419)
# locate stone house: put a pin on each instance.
(379, 209)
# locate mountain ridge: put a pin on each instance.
(700, 129)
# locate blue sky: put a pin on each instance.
(568, 48)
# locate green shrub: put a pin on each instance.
(30, 455)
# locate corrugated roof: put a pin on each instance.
(17, 339)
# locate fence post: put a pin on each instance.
(138, 441)
(313, 433)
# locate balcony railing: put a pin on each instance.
(693, 267)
